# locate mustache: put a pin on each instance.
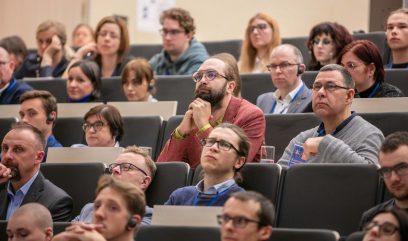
(15, 174)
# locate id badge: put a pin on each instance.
(296, 157)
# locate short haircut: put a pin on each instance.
(399, 10)
(112, 115)
(393, 141)
(93, 72)
(231, 70)
(151, 165)
(132, 194)
(124, 35)
(244, 143)
(180, 15)
(402, 218)
(36, 213)
(293, 48)
(39, 137)
(266, 213)
(142, 70)
(339, 34)
(368, 53)
(14, 45)
(48, 100)
(58, 27)
(348, 81)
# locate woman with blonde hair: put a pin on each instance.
(261, 36)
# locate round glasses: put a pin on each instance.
(209, 75)
(385, 228)
(237, 222)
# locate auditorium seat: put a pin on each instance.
(232, 47)
(328, 196)
(356, 236)
(379, 39)
(388, 122)
(68, 131)
(399, 78)
(56, 86)
(168, 128)
(253, 85)
(111, 89)
(301, 44)
(5, 125)
(144, 50)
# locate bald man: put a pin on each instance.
(31, 221)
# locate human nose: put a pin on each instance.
(116, 170)
(99, 213)
(394, 176)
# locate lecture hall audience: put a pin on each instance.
(397, 38)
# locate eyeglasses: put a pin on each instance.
(259, 27)
(399, 169)
(385, 228)
(329, 86)
(125, 167)
(97, 126)
(324, 41)
(111, 35)
(221, 144)
(171, 32)
(282, 66)
(209, 75)
(237, 222)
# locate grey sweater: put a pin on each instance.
(358, 142)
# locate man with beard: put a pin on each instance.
(21, 181)
(216, 80)
(393, 160)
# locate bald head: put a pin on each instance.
(36, 213)
(291, 49)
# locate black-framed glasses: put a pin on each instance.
(259, 27)
(282, 66)
(221, 144)
(125, 167)
(324, 41)
(351, 66)
(328, 86)
(400, 169)
(237, 222)
(171, 32)
(385, 228)
(210, 75)
(97, 126)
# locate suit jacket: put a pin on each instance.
(298, 105)
(46, 193)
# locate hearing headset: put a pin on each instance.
(300, 70)
(50, 118)
(131, 223)
(150, 87)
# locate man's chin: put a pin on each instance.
(15, 174)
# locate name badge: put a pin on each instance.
(296, 157)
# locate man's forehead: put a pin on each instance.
(129, 157)
(282, 54)
(329, 76)
(19, 136)
(35, 104)
(212, 64)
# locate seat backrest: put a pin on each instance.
(178, 88)
(56, 86)
(356, 236)
(309, 77)
(327, 196)
(379, 39)
(144, 50)
(5, 125)
(170, 126)
(169, 176)
(142, 131)
(68, 131)
(177, 233)
(397, 77)
(389, 122)
(75, 109)
(111, 89)
(295, 234)
(253, 85)
(106, 155)
(3, 228)
(232, 47)
(280, 129)
(59, 227)
(9, 111)
(301, 44)
(79, 180)
(165, 109)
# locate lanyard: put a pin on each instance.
(11, 85)
(294, 97)
(374, 90)
(212, 201)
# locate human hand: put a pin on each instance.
(85, 50)
(81, 232)
(310, 147)
(5, 173)
(201, 112)
(52, 49)
(187, 124)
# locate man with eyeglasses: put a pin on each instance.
(216, 82)
(343, 136)
(182, 54)
(291, 95)
(10, 88)
(135, 166)
(246, 216)
(393, 160)
(224, 153)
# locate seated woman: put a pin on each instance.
(84, 82)
(387, 225)
(396, 33)
(138, 81)
(326, 41)
(103, 127)
(111, 47)
(83, 34)
(50, 61)
(363, 60)
(261, 36)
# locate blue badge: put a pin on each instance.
(296, 157)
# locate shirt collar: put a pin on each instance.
(322, 132)
(291, 94)
(217, 188)
(24, 189)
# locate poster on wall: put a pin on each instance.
(148, 14)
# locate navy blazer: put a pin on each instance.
(46, 193)
(298, 105)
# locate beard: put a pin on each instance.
(214, 97)
(15, 174)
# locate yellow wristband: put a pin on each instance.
(178, 135)
(204, 128)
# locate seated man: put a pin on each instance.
(221, 164)
(135, 166)
(182, 54)
(21, 181)
(252, 216)
(10, 88)
(216, 81)
(119, 208)
(291, 94)
(31, 221)
(342, 137)
(393, 159)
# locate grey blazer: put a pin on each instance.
(298, 105)
(46, 193)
